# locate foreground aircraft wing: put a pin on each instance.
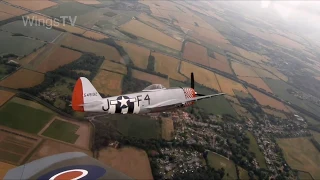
(181, 102)
(70, 165)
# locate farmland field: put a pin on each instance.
(217, 161)
(162, 62)
(315, 135)
(131, 161)
(8, 11)
(280, 88)
(85, 45)
(108, 82)
(264, 74)
(167, 128)
(26, 60)
(265, 100)
(241, 111)
(5, 167)
(5, 96)
(218, 105)
(136, 126)
(66, 27)
(201, 76)
(32, 5)
(31, 104)
(300, 154)
(252, 55)
(62, 130)
(15, 145)
(243, 70)
(67, 9)
(222, 66)
(59, 57)
(275, 71)
(51, 147)
(243, 174)
(142, 30)
(227, 85)
(150, 78)
(274, 113)
(23, 78)
(139, 55)
(258, 82)
(18, 45)
(28, 119)
(88, 1)
(115, 67)
(40, 32)
(195, 53)
(95, 35)
(304, 176)
(253, 147)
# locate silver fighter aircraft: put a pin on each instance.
(154, 98)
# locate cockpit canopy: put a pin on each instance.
(154, 87)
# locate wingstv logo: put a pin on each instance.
(47, 22)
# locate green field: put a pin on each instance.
(62, 130)
(68, 9)
(24, 118)
(253, 147)
(136, 126)
(217, 105)
(18, 45)
(304, 176)
(31, 104)
(311, 121)
(9, 157)
(280, 88)
(40, 32)
(217, 161)
(243, 174)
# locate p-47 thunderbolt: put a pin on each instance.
(154, 98)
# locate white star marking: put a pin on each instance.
(123, 101)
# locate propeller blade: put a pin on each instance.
(192, 81)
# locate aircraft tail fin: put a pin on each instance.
(83, 93)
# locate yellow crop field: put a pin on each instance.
(139, 55)
(95, 35)
(7, 11)
(88, 1)
(142, 30)
(275, 71)
(23, 78)
(264, 74)
(196, 53)
(150, 78)
(4, 168)
(85, 45)
(265, 100)
(216, 64)
(301, 154)
(274, 113)
(33, 5)
(202, 76)
(243, 70)
(147, 19)
(252, 55)
(69, 28)
(115, 67)
(162, 62)
(257, 82)
(5, 96)
(108, 83)
(227, 85)
(26, 60)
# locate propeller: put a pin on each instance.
(192, 85)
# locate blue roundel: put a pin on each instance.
(94, 172)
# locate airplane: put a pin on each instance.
(69, 165)
(154, 98)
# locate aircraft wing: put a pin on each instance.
(70, 165)
(181, 102)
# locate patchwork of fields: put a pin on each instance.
(150, 78)
(114, 67)
(107, 82)
(23, 78)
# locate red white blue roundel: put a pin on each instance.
(89, 172)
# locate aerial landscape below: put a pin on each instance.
(264, 56)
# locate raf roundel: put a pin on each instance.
(75, 172)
